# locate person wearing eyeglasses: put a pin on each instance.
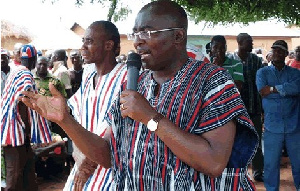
(185, 128)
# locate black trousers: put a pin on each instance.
(258, 160)
(20, 171)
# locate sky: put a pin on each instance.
(40, 18)
(35, 15)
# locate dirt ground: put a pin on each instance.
(286, 180)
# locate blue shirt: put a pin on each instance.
(281, 109)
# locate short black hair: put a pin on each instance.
(110, 30)
(242, 36)
(61, 54)
(167, 7)
(218, 38)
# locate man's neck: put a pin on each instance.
(242, 54)
(220, 61)
(42, 76)
(279, 65)
(105, 67)
(78, 68)
(170, 71)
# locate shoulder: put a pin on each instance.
(293, 70)
(254, 56)
(264, 69)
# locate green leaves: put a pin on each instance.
(244, 11)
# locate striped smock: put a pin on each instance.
(89, 106)
(199, 98)
(12, 126)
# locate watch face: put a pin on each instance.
(152, 125)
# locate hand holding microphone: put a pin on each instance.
(132, 103)
(134, 64)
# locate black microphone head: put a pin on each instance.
(134, 59)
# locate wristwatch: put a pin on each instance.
(153, 123)
(271, 89)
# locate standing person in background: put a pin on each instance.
(250, 95)
(5, 71)
(59, 59)
(21, 126)
(48, 54)
(5, 68)
(59, 71)
(268, 59)
(42, 78)
(279, 86)
(207, 49)
(291, 57)
(219, 58)
(16, 54)
(185, 128)
(76, 71)
(296, 62)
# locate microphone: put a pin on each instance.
(134, 64)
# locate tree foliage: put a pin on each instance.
(220, 11)
(244, 11)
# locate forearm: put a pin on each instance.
(195, 150)
(91, 145)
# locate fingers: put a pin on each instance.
(26, 101)
(79, 181)
(54, 91)
(28, 93)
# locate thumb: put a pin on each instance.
(54, 91)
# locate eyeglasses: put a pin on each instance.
(147, 34)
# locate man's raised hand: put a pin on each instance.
(52, 108)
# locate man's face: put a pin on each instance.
(76, 59)
(93, 47)
(246, 44)
(17, 55)
(279, 55)
(218, 49)
(41, 67)
(4, 61)
(158, 51)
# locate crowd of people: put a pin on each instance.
(194, 122)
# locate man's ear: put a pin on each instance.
(179, 35)
(286, 53)
(109, 45)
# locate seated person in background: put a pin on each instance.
(218, 57)
(50, 157)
